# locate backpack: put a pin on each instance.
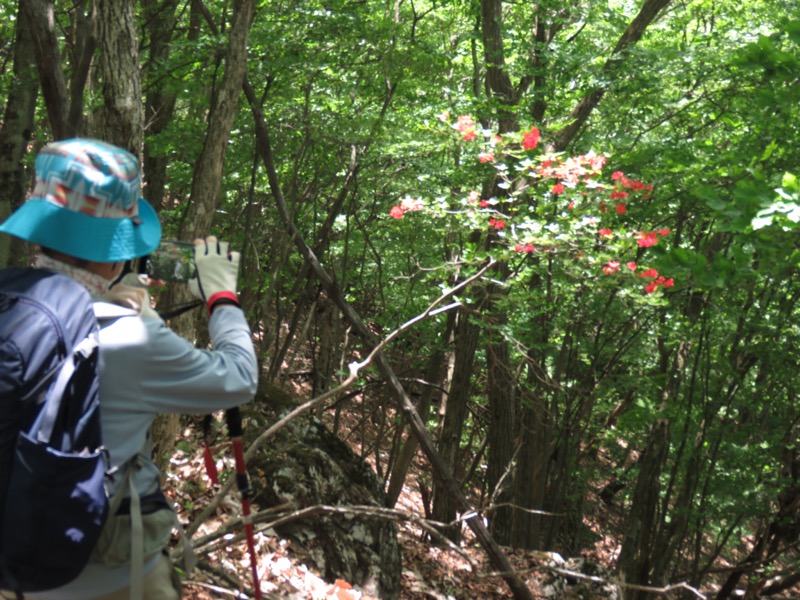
(53, 501)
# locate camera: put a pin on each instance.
(172, 261)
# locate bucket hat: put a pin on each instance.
(87, 203)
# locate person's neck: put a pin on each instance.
(96, 284)
(106, 270)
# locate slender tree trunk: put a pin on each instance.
(207, 178)
(643, 536)
(15, 135)
(433, 375)
(159, 105)
(633, 33)
(81, 56)
(502, 431)
(638, 547)
(445, 507)
(40, 19)
(533, 462)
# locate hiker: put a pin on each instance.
(87, 216)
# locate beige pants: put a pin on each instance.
(161, 583)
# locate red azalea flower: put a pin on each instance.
(631, 265)
(650, 287)
(669, 282)
(649, 273)
(396, 212)
(617, 175)
(531, 139)
(605, 232)
(663, 232)
(647, 239)
(619, 195)
(611, 267)
(498, 224)
(597, 162)
(483, 203)
(465, 123)
(485, 157)
(621, 209)
(411, 204)
(468, 136)
(558, 188)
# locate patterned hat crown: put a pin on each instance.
(90, 177)
(86, 203)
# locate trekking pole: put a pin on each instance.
(233, 418)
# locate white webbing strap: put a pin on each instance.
(137, 546)
(137, 527)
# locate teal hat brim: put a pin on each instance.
(84, 236)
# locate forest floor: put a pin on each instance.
(430, 571)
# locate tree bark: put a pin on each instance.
(40, 18)
(207, 177)
(502, 430)
(121, 119)
(15, 134)
(159, 105)
(638, 547)
(84, 46)
(445, 506)
(498, 82)
(433, 375)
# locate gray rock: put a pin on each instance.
(308, 465)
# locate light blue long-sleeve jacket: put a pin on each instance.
(147, 370)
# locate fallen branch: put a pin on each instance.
(266, 519)
(600, 580)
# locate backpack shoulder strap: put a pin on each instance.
(42, 428)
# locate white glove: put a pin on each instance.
(217, 271)
(131, 292)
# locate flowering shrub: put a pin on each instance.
(551, 203)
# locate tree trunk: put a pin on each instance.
(638, 548)
(433, 375)
(159, 105)
(634, 32)
(121, 119)
(502, 431)
(207, 177)
(445, 506)
(40, 19)
(15, 135)
(532, 471)
(81, 56)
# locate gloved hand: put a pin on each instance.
(131, 292)
(217, 272)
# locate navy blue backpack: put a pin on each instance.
(53, 501)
